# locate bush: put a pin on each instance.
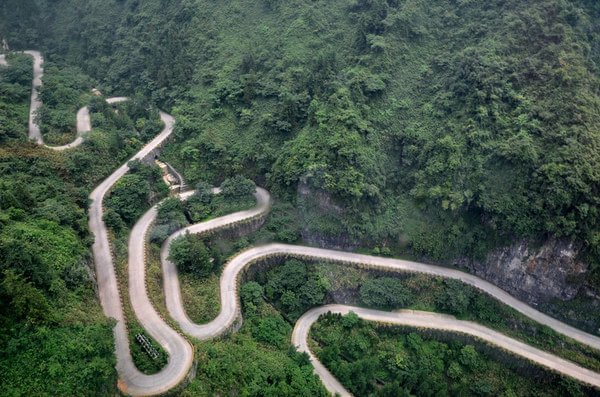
(204, 193)
(455, 298)
(113, 220)
(251, 295)
(384, 292)
(129, 197)
(169, 219)
(272, 330)
(237, 187)
(294, 289)
(191, 255)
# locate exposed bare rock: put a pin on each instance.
(321, 217)
(535, 275)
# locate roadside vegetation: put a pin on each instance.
(15, 83)
(377, 360)
(198, 259)
(65, 89)
(449, 127)
(54, 338)
(131, 196)
(294, 287)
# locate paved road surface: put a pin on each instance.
(132, 381)
(429, 320)
(229, 279)
(230, 307)
(36, 103)
(171, 281)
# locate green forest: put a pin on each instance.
(450, 124)
(385, 361)
(437, 130)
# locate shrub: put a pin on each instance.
(237, 187)
(384, 292)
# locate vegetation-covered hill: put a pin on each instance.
(442, 127)
(453, 125)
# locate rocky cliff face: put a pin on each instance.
(535, 275)
(321, 218)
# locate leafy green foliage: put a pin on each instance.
(15, 88)
(251, 295)
(170, 218)
(385, 361)
(237, 187)
(273, 330)
(294, 289)
(191, 255)
(54, 339)
(465, 110)
(385, 292)
(65, 89)
(241, 364)
(66, 360)
(236, 194)
(132, 194)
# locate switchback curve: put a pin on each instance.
(230, 304)
(420, 319)
(84, 124)
(132, 381)
(230, 307)
(179, 350)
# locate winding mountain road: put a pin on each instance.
(229, 303)
(181, 354)
(419, 319)
(132, 381)
(84, 124)
(230, 306)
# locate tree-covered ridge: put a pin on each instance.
(482, 119)
(15, 82)
(54, 339)
(440, 125)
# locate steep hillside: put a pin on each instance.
(443, 128)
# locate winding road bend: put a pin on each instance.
(84, 124)
(180, 351)
(181, 354)
(230, 306)
(131, 380)
(419, 319)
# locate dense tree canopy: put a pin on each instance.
(372, 360)
(481, 120)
